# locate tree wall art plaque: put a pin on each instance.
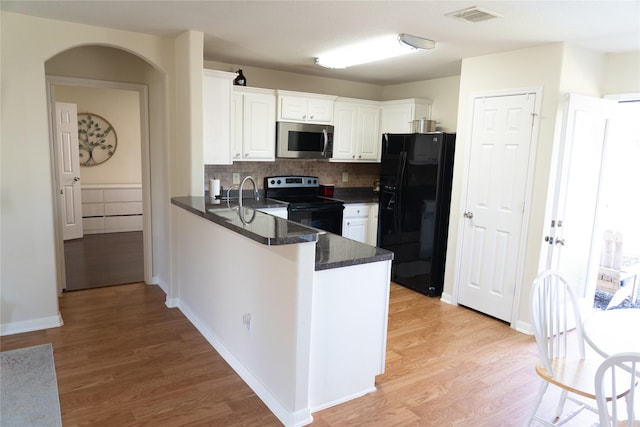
(97, 139)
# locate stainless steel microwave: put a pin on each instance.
(304, 141)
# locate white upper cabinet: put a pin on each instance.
(398, 115)
(305, 107)
(216, 117)
(357, 136)
(253, 127)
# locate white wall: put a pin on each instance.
(122, 109)
(224, 277)
(28, 262)
(622, 73)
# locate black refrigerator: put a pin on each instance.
(415, 196)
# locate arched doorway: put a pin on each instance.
(109, 69)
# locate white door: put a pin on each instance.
(574, 240)
(68, 165)
(501, 138)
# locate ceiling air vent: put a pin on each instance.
(474, 14)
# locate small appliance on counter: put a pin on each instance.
(326, 190)
(305, 203)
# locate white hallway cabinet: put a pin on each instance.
(111, 208)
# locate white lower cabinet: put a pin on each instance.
(111, 209)
(357, 222)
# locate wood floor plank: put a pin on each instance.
(123, 358)
(104, 259)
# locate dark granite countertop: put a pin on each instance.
(332, 251)
(355, 195)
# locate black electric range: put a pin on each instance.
(305, 205)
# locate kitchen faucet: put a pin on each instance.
(255, 190)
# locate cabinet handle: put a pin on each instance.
(246, 154)
(360, 156)
(311, 117)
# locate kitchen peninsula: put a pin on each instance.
(299, 314)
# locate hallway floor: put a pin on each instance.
(106, 259)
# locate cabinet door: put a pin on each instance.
(320, 110)
(236, 127)
(259, 127)
(344, 135)
(216, 117)
(369, 137)
(293, 108)
(355, 229)
(397, 118)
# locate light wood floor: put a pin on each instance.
(123, 359)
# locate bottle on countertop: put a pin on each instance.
(240, 80)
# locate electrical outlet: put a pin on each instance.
(345, 176)
(246, 321)
(236, 178)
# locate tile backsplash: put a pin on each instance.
(359, 174)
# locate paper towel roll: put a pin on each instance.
(214, 188)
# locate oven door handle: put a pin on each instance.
(316, 208)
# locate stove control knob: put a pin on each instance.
(279, 182)
(273, 181)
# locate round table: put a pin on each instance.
(613, 331)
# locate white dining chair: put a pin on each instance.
(619, 376)
(561, 351)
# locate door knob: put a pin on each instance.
(76, 178)
(468, 215)
(559, 241)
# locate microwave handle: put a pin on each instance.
(326, 141)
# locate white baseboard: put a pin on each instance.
(447, 298)
(288, 418)
(31, 325)
(524, 327)
(343, 400)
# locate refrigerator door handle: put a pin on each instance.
(398, 199)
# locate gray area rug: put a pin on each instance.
(28, 388)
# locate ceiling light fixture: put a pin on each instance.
(474, 14)
(376, 49)
(415, 42)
